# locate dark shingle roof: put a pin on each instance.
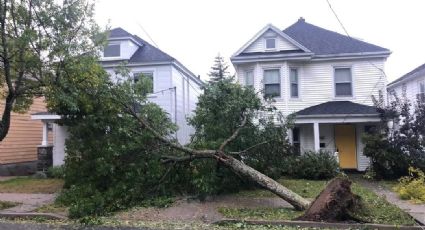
(144, 54)
(418, 71)
(323, 42)
(338, 108)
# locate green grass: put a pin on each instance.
(7, 204)
(31, 185)
(260, 213)
(53, 208)
(375, 210)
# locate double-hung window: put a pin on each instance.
(147, 77)
(249, 78)
(343, 82)
(294, 83)
(421, 91)
(272, 83)
(112, 50)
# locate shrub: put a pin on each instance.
(312, 165)
(412, 187)
(57, 172)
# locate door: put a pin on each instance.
(345, 142)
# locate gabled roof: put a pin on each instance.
(418, 71)
(317, 42)
(146, 53)
(324, 42)
(337, 108)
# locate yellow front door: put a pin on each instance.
(345, 142)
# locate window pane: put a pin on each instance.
(270, 43)
(271, 76)
(145, 76)
(421, 87)
(294, 76)
(342, 75)
(272, 90)
(249, 78)
(296, 134)
(112, 50)
(294, 90)
(343, 89)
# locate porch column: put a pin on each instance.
(44, 142)
(316, 136)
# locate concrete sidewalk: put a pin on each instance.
(417, 211)
(28, 202)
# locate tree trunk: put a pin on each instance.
(266, 182)
(334, 203)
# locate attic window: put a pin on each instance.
(270, 43)
(112, 50)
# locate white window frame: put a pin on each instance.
(253, 77)
(343, 97)
(420, 93)
(275, 43)
(153, 79)
(280, 81)
(112, 57)
(298, 83)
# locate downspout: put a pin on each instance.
(175, 107)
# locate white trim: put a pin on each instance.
(125, 38)
(330, 119)
(345, 97)
(265, 44)
(277, 31)
(316, 136)
(49, 117)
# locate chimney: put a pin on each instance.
(301, 19)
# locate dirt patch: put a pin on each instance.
(194, 210)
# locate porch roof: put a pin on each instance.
(337, 108)
(337, 112)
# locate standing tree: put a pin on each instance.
(219, 69)
(40, 43)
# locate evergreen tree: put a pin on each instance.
(219, 69)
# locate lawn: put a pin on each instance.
(31, 185)
(375, 210)
(7, 204)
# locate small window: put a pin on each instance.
(270, 43)
(296, 140)
(249, 78)
(272, 83)
(421, 91)
(294, 83)
(343, 82)
(112, 50)
(146, 76)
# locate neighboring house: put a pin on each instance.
(175, 89)
(325, 78)
(411, 86)
(18, 151)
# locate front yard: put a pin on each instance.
(31, 185)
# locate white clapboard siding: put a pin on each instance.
(259, 44)
(316, 81)
(411, 89)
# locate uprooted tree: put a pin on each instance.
(121, 151)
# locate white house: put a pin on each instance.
(411, 85)
(175, 88)
(325, 78)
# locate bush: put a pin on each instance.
(57, 172)
(412, 187)
(312, 165)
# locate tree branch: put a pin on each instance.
(235, 134)
(174, 159)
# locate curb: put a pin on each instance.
(312, 224)
(49, 216)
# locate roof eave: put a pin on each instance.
(335, 115)
(268, 57)
(380, 54)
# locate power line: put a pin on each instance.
(150, 38)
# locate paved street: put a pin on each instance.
(27, 226)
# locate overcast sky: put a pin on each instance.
(195, 31)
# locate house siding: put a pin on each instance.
(20, 144)
(259, 44)
(316, 81)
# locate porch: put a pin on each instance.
(336, 127)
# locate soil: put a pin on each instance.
(195, 210)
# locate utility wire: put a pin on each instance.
(144, 31)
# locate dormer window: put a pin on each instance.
(270, 43)
(112, 50)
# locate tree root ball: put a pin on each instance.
(334, 203)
